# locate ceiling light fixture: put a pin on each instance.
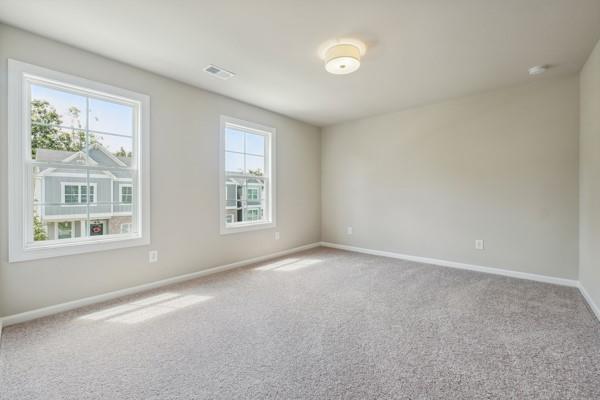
(342, 56)
(538, 69)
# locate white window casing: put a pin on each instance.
(268, 196)
(21, 77)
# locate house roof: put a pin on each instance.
(98, 154)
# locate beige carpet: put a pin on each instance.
(323, 324)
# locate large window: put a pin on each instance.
(247, 184)
(78, 164)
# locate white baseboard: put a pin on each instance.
(459, 265)
(55, 309)
(595, 309)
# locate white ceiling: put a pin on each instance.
(420, 51)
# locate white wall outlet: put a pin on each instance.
(479, 244)
(153, 256)
(349, 230)
(277, 236)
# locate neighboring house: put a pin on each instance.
(239, 197)
(61, 195)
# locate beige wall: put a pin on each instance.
(184, 176)
(589, 206)
(500, 166)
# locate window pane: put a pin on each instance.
(109, 147)
(234, 140)
(254, 214)
(234, 162)
(50, 106)
(71, 193)
(64, 230)
(255, 144)
(255, 165)
(107, 116)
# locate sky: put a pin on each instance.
(104, 116)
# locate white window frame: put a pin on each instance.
(121, 186)
(80, 185)
(21, 245)
(270, 177)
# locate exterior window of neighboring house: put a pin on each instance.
(84, 146)
(247, 163)
(126, 193)
(64, 230)
(253, 214)
(252, 193)
(73, 194)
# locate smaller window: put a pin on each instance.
(76, 193)
(64, 230)
(126, 194)
(253, 214)
(247, 176)
(71, 193)
(253, 194)
(126, 228)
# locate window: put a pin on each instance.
(126, 228)
(76, 141)
(247, 183)
(73, 193)
(64, 230)
(126, 194)
(253, 193)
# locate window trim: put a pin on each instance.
(20, 200)
(270, 166)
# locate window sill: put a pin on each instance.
(226, 230)
(57, 249)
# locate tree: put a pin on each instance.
(122, 153)
(47, 134)
(255, 172)
(39, 233)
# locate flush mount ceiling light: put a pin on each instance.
(342, 56)
(538, 69)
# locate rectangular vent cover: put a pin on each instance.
(218, 72)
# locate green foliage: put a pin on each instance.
(39, 233)
(122, 153)
(45, 131)
(255, 172)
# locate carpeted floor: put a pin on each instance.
(322, 324)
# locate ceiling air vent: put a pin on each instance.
(218, 72)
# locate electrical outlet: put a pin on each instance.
(153, 256)
(479, 244)
(277, 236)
(349, 230)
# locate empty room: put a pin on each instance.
(281, 199)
